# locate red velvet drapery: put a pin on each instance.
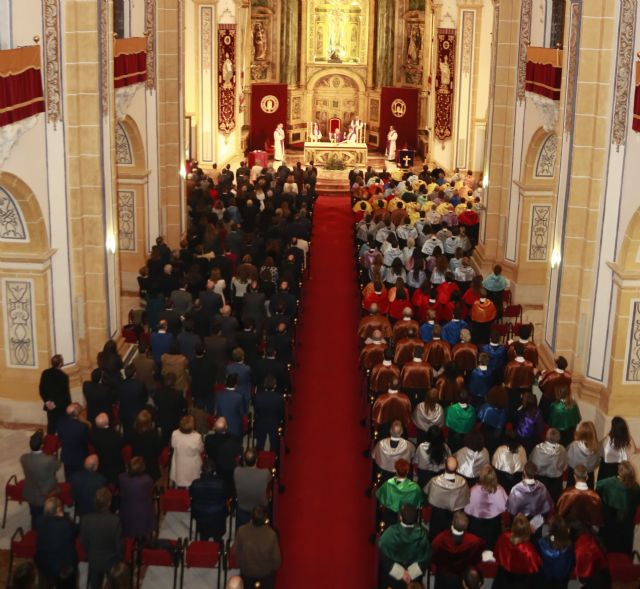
(544, 72)
(21, 94)
(636, 102)
(130, 63)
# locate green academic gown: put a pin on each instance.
(619, 504)
(460, 419)
(397, 492)
(564, 418)
(405, 546)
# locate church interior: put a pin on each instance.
(114, 114)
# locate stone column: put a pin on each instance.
(385, 42)
(290, 42)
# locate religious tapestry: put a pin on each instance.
(268, 108)
(226, 77)
(399, 108)
(636, 103)
(445, 83)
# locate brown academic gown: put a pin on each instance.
(372, 322)
(402, 328)
(382, 376)
(551, 382)
(518, 375)
(584, 506)
(465, 355)
(437, 352)
(530, 352)
(398, 216)
(404, 350)
(416, 375)
(449, 391)
(392, 406)
(371, 355)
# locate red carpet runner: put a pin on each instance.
(324, 517)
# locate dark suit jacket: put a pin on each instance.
(84, 485)
(248, 341)
(211, 302)
(229, 327)
(148, 445)
(39, 476)
(283, 344)
(253, 308)
(209, 501)
(182, 301)
(201, 322)
(202, 378)
(101, 537)
(160, 344)
(108, 446)
(231, 405)
(99, 399)
(216, 346)
(288, 302)
(136, 506)
(225, 450)
(269, 411)
(171, 407)
(174, 323)
(74, 439)
(55, 544)
(54, 386)
(265, 367)
(132, 396)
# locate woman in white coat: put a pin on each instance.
(187, 446)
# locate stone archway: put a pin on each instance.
(132, 205)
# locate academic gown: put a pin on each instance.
(465, 355)
(416, 375)
(406, 546)
(391, 406)
(370, 323)
(452, 555)
(619, 507)
(394, 493)
(437, 352)
(382, 375)
(387, 451)
(517, 564)
(577, 505)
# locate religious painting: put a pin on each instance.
(446, 46)
(338, 31)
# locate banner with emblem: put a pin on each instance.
(226, 77)
(445, 77)
(268, 108)
(399, 108)
(636, 101)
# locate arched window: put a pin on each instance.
(6, 19)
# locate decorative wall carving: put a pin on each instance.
(150, 32)
(572, 67)
(632, 373)
(124, 96)
(104, 55)
(546, 160)
(51, 16)
(206, 30)
(19, 324)
(525, 39)
(10, 134)
(12, 225)
(550, 110)
(124, 155)
(539, 233)
(127, 220)
(624, 71)
(467, 41)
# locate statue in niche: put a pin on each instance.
(227, 72)
(414, 45)
(319, 40)
(259, 42)
(445, 75)
(416, 5)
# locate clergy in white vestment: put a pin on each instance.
(392, 138)
(316, 134)
(354, 130)
(278, 143)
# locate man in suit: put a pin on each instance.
(202, 381)
(269, 365)
(282, 341)
(200, 318)
(107, 443)
(284, 297)
(172, 317)
(55, 554)
(216, 346)
(224, 449)
(268, 406)
(231, 405)
(243, 372)
(101, 537)
(253, 307)
(188, 340)
(132, 396)
(228, 326)
(171, 406)
(160, 342)
(234, 241)
(74, 441)
(182, 299)
(145, 367)
(97, 396)
(252, 486)
(248, 339)
(85, 483)
(54, 392)
(258, 551)
(209, 503)
(39, 476)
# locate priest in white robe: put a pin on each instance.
(278, 143)
(316, 134)
(392, 138)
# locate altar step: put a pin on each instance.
(332, 185)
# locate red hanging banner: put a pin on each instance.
(226, 77)
(636, 102)
(130, 61)
(544, 72)
(445, 76)
(399, 108)
(21, 94)
(268, 108)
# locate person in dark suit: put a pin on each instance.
(209, 503)
(132, 396)
(249, 341)
(200, 318)
(277, 317)
(172, 317)
(74, 441)
(231, 405)
(268, 406)
(101, 537)
(253, 306)
(234, 241)
(85, 483)
(145, 367)
(282, 342)
(252, 486)
(210, 300)
(54, 392)
(228, 326)
(160, 342)
(55, 554)
(107, 443)
(225, 450)
(171, 407)
(39, 476)
(216, 346)
(137, 512)
(202, 381)
(269, 365)
(146, 443)
(286, 299)
(243, 372)
(182, 299)
(188, 340)
(97, 395)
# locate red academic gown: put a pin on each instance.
(371, 355)
(453, 558)
(421, 302)
(404, 350)
(551, 382)
(372, 322)
(465, 355)
(437, 352)
(402, 328)
(392, 406)
(380, 299)
(518, 375)
(519, 559)
(468, 298)
(530, 352)
(382, 376)
(590, 557)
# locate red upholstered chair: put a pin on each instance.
(22, 546)
(12, 492)
(51, 445)
(162, 553)
(175, 500)
(127, 453)
(622, 567)
(204, 555)
(335, 125)
(268, 460)
(513, 312)
(64, 489)
(503, 329)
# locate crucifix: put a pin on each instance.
(406, 159)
